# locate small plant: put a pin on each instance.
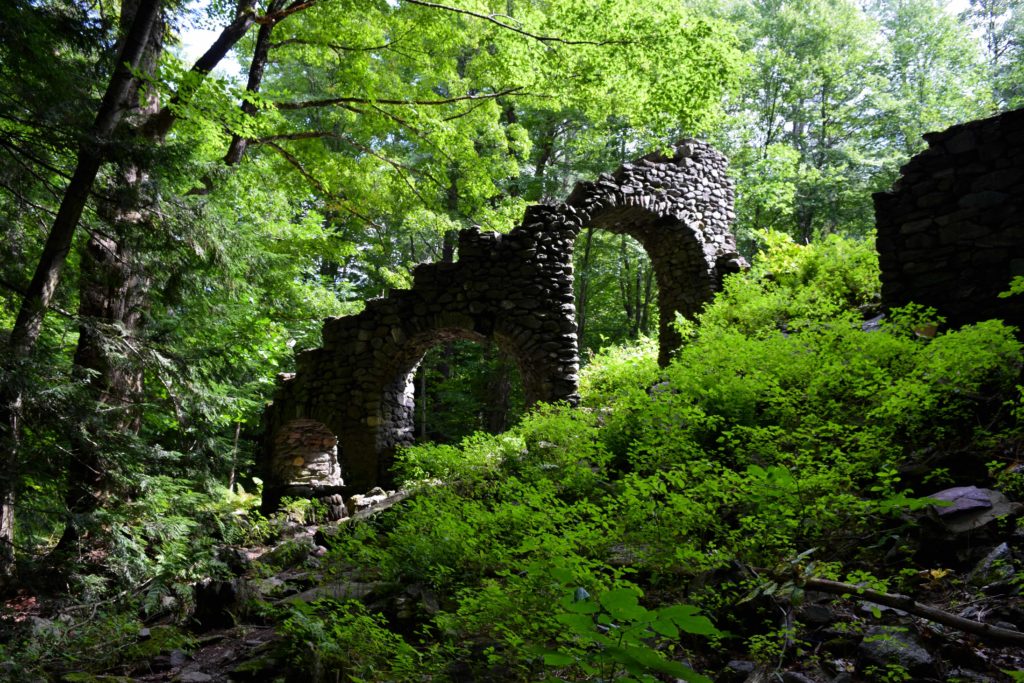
(303, 510)
(615, 638)
(342, 641)
(1016, 287)
(890, 673)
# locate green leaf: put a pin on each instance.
(554, 658)
(665, 627)
(622, 603)
(562, 575)
(698, 625)
(584, 607)
(648, 659)
(580, 624)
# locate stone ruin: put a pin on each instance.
(951, 233)
(950, 236)
(335, 423)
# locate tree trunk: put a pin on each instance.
(114, 287)
(90, 157)
(257, 68)
(41, 289)
(422, 400)
(113, 291)
(113, 296)
(499, 388)
(645, 320)
(546, 151)
(626, 284)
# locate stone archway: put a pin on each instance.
(679, 208)
(515, 289)
(303, 461)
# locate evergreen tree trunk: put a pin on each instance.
(113, 291)
(113, 294)
(41, 289)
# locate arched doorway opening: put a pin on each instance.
(452, 382)
(616, 290)
(464, 386)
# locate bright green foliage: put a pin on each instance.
(378, 129)
(616, 370)
(933, 71)
(835, 98)
(327, 639)
(1016, 287)
(791, 286)
(1001, 26)
(810, 64)
(780, 429)
(615, 634)
(426, 135)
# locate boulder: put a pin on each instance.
(969, 508)
(995, 567)
(884, 645)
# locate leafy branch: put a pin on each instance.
(315, 182)
(330, 102)
(316, 134)
(337, 47)
(495, 19)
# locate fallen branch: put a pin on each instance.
(911, 606)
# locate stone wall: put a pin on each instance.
(951, 233)
(515, 289)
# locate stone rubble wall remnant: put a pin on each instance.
(951, 232)
(515, 289)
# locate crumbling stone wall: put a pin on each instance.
(515, 289)
(951, 233)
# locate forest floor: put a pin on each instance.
(233, 636)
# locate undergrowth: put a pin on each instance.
(635, 537)
(781, 435)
